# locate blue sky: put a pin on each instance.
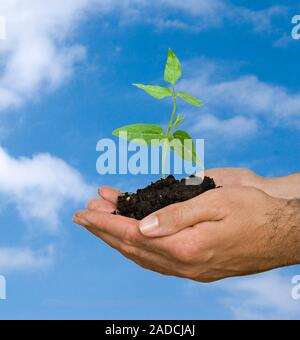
(65, 75)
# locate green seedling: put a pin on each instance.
(146, 134)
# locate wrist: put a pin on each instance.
(290, 232)
(283, 233)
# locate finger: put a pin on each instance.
(123, 228)
(108, 239)
(110, 194)
(232, 176)
(101, 205)
(213, 172)
(154, 266)
(118, 226)
(172, 219)
(141, 257)
(221, 176)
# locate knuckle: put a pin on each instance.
(189, 272)
(153, 268)
(200, 275)
(207, 255)
(214, 196)
(184, 253)
(143, 265)
(130, 237)
(193, 274)
(218, 200)
(128, 251)
(177, 214)
(218, 197)
(93, 204)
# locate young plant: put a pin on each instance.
(145, 134)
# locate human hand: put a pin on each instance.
(229, 177)
(282, 187)
(223, 233)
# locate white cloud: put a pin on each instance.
(243, 102)
(196, 7)
(201, 13)
(24, 259)
(261, 20)
(40, 187)
(235, 127)
(194, 15)
(250, 95)
(263, 297)
(38, 54)
(197, 14)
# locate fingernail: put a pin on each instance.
(149, 224)
(79, 220)
(79, 214)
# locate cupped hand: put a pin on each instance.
(235, 177)
(226, 232)
(287, 187)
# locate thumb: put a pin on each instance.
(176, 217)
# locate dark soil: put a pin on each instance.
(159, 195)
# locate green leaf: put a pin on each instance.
(184, 146)
(157, 92)
(190, 99)
(145, 132)
(173, 70)
(178, 121)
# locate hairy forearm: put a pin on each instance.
(294, 227)
(283, 187)
(289, 232)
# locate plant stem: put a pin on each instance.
(173, 112)
(170, 126)
(164, 156)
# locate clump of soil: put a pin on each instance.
(159, 195)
